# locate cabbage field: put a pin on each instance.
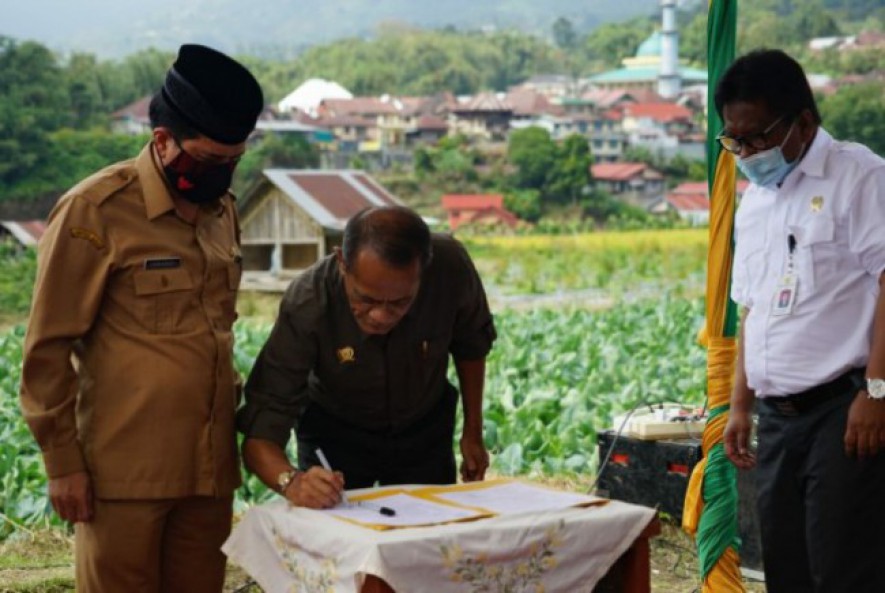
(555, 377)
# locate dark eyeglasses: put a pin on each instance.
(757, 141)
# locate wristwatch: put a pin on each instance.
(285, 479)
(876, 388)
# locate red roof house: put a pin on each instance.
(477, 209)
(636, 183)
(690, 200)
(24, 232)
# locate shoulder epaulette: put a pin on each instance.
(100, 186)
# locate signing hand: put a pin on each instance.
(71, 497)
(316, 488)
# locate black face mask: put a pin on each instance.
(197, 181)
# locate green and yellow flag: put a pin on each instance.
(710, 513)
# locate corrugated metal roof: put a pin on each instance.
(330, 197)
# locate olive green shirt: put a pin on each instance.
(317, 353)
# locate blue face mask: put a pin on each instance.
(769, 167)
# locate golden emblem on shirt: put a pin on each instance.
(817, 202)
(346, 355)
(91, 236)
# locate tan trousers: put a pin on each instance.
(153, 546)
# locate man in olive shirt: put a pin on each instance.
(357, 361)
(128, 382)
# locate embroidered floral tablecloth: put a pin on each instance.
(294, 550)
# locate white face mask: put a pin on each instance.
(769, 167)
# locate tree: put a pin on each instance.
(533, 153)
(290, 151)
(524, 203)
(570, 177)
(612, 42)
(88, 104)
(33, 102)
(857, 113)
(564, 34)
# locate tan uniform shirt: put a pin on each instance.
(128, 363)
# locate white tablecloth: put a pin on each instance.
(287, 549)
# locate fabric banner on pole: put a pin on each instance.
(711, 501)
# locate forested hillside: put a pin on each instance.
(54, 109)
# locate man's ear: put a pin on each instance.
(339, 258)
(807, 126)
(162, 140)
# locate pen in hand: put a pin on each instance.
(325, 463)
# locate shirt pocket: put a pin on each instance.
(432, 358)
(817, 252)
(165, 300)
(749, 270)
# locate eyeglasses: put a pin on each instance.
(757, 141)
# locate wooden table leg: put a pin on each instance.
(375, 585)
(637, 563)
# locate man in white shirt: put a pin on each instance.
(808, 273)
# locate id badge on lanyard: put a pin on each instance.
(785, 294)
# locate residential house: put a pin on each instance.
(607, 138)
(690, 200)
(376, 109)
(24, 233)
(426, 129)
(666, 129)
(477, 209)
(482, 117)
(293, 217)
(637, 184)
(672, 118)
(132, 119)
(550, 85)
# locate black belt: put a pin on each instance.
(798, 403)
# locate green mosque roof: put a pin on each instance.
(649, 73)
(651, 46)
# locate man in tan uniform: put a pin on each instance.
(128, 382)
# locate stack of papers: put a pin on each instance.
(386, 508)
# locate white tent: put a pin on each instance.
(310, 93)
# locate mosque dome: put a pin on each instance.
(651, 47)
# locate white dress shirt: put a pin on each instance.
(833, 204)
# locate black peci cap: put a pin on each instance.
(216, 94)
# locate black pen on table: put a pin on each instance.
(386, 511)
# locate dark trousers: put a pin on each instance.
(420, 454)
(821, 513)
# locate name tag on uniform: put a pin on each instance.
(162, 263)
(785, 296)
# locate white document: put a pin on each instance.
(514, 497)
(407, 510)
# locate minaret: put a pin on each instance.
(668, 81)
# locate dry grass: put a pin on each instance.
(42, 562)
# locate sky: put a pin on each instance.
(115, 28)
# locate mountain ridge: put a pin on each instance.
(114, 28)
